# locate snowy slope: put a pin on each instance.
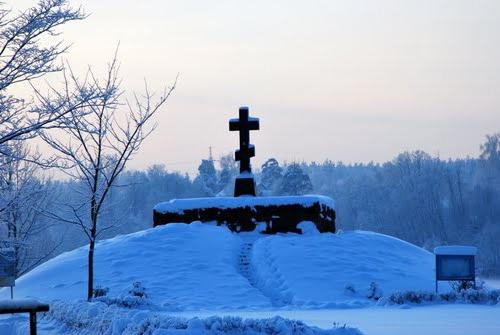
(204, 267)
(315, 270)
(182, 267)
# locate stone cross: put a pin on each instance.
(245, 183)
(244, 124)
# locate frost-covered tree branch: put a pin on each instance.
(22, 197)
(94, 146)
(23, 58)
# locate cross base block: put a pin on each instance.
(244, 186)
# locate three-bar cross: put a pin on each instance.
(244, 124)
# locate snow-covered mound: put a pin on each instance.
(337, 270)
(204, 267)
(181, 266)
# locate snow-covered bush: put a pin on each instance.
(80, 315)
(462, 285)
(136, 297)
(138, 290)
(480, 295)
(374, 292)
(124, 301)
(234, 325)
(400, 298)
(100, 291)
(99, 318)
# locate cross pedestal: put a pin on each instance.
(245, 182)
(244, 186)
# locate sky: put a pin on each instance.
(344, 80)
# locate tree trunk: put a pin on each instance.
(90, 288)
(92, 233)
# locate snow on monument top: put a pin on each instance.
(455, 250)
(179, 205)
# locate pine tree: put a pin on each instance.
(295, 181)
(208, 177)
(227, 174)
(271, 175)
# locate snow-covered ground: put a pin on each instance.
(453, 319)
(201, 270)
(423, 320)
(493, 282)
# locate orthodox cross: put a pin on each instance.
(244, 124)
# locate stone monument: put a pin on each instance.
(245, 182)
(245, 211)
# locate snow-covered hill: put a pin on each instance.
(339, 270)
(204, 267)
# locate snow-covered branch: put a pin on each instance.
(95, 142)
(23, 58)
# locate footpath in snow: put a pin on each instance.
(337, 270)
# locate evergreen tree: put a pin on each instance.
(227, 174)
(207, 177)
(271, 175)
(295, 181)
(490, 150)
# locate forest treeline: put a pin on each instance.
(416, 197)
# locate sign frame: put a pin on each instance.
(444, 253)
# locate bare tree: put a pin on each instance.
(23, 58)
(96, 146)
(30, 49)
(23, 195)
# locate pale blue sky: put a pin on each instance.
(341, 80)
